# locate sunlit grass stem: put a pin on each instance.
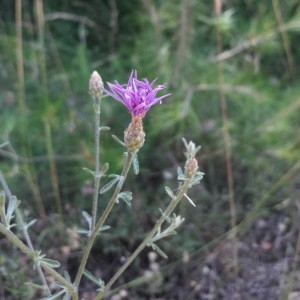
(226, 137)
(29, 172)
(53, 170)
(42, 65)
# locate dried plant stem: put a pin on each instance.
(183, 34)
(284, 36)
(53, 171)
(24, 230)
(102, 219)
(30, 175)
(226, 136)
(147, 239)
(155, 21)
(40, 21)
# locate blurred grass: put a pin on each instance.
(52, 132)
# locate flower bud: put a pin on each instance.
(96, 85)
(191, 167)
(134, 135)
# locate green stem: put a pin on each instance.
(103, 218)
(97, 175)
(31, 254)
(147, 239)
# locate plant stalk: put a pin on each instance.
(103, 218)
(97, 174)
(227, 140)
(147, 239)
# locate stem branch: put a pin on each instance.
(147, 239)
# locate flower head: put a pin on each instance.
(137, 95)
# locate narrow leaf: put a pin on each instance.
(55, 296)
(179, 171)
(126, 197)
(88, 218)
(12, 204)
(105, 168)
(104, 228)
(185, 143)
(2, 209)
(89, 171)
(181, 177)
(84, 231)
(67, 296)
(91, 277)
(32, 222)
(2, 199)
(50, 262)
(104, 128)
(109, 185)
(159, 251)
(35, 286)
(190, 200)
(135, 163)
(118, 140)
(4, 144)
(169, 192)
(67, 276)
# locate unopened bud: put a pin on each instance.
(96, 85)
(134, 135)
(191, 167)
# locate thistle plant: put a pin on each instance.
(138, 96)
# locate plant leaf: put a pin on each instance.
(32, 222)
(12, 204)
(159, 251)
(88, 218)
(105, 168)
(104, 128)
(135, 163)
(55, 296)
(110, 185)
(118, 140)
(169, 192)
(91, 277)
(126, 196)
(50, 262)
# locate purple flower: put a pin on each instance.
(137, 95)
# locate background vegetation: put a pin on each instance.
(234, 78)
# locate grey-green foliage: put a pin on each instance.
(176, 42)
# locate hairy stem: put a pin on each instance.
(147, 239)
(97, 175)
(31, 254)
(103, 218)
